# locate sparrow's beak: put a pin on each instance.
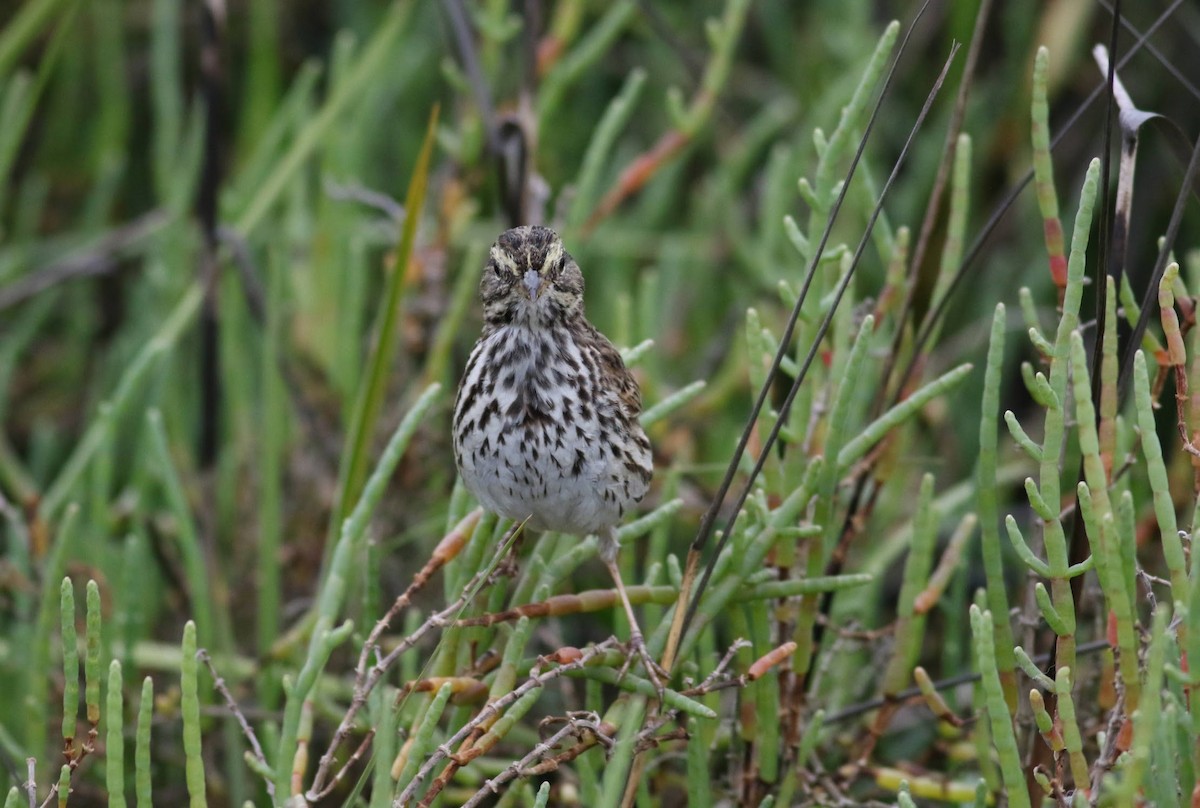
(533, 282)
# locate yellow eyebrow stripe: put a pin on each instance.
(554, 254)
(503, 259)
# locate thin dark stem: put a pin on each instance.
(1149, 299)
(1106, 266)
(976, 249)
(529, 44)
(1038, 752)
(784, 343)
(917, 259)
(1103, 266)
(212, 26)
(855, 710)
(693, 62)
(1162, 58)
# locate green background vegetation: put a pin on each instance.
(221, 337)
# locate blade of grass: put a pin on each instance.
(368, 66)
(370, 398)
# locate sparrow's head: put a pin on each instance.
(531, 280)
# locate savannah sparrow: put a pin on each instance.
(546, 420)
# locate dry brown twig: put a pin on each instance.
(576, 725)
(361, 750)
(603, 738)
(475, 745)
(589, 600)
(31, 782)
(756, 671)
(73, 758)
(647, 737)
(366, 678)
(230, 702)
(536, 679)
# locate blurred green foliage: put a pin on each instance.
(665, 142)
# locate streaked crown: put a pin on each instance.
(531, 280)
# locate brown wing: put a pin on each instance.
(616, 375)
